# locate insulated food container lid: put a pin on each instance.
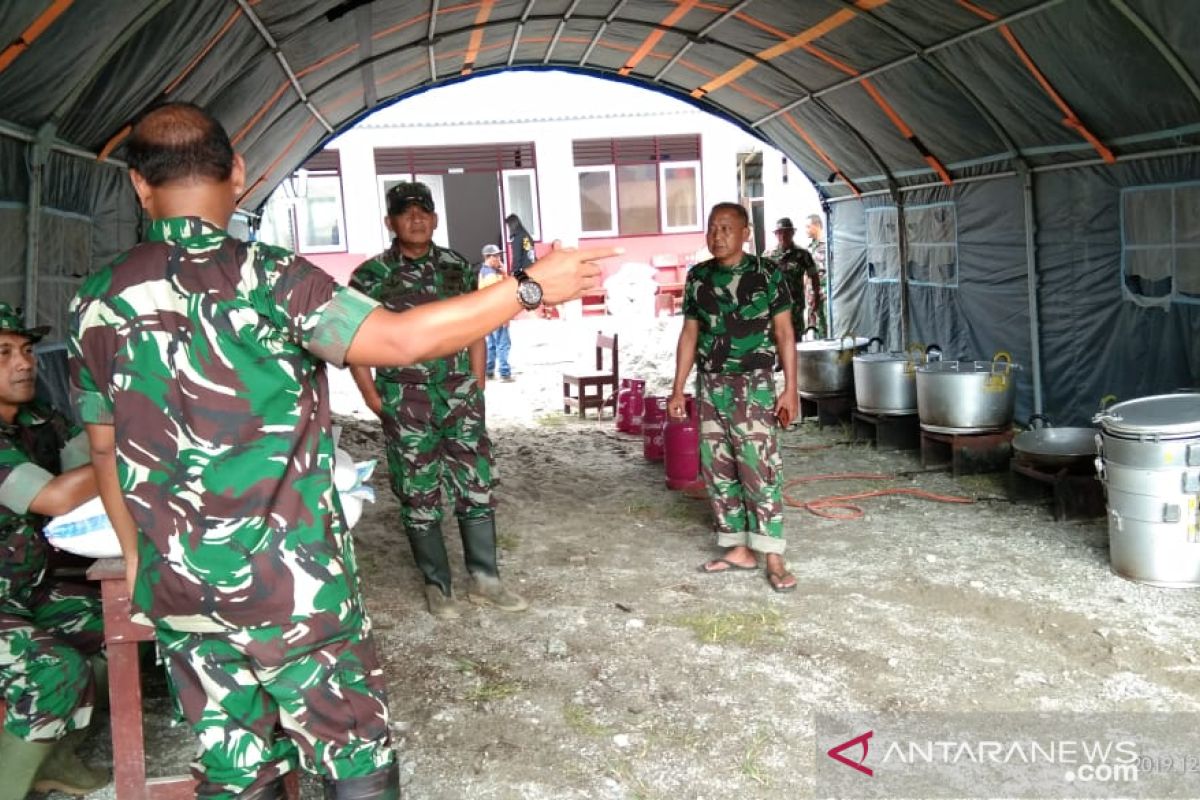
(1164, 414)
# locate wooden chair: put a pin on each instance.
(576, 384)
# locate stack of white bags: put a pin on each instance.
(86, 531)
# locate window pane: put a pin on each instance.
(1187, 214)
(320, 213)
(683, 196)
(595, 196)
(1147, 217)
(637, 195)
(520, 202)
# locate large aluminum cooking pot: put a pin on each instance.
(967, 396)
(886, 382)
(823, 366)
(1149, 464)
(1056, 448)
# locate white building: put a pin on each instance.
(578, 159)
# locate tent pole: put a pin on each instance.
(1035, 341)
(39, 152)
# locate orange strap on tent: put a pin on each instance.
(831, 23)
(1071, 119)
(891, 113)
(648, 45)
(481, 16)
(36, 29)
(821, 154)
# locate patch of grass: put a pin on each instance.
(552, 419)
(580, 720)
(508, 541)
(641, 510)
(491, 690)
(623, 773)
(750, 765)
(734, 627)
(493, 684)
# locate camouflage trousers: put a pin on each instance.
(259, 700)
(46, 639)
(740, 461)
(436, 438)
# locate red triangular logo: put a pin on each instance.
(836, 753)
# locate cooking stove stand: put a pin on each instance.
(828, 409)
(888, 431)
(967, 453)
(1077, 495)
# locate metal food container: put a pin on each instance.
(823, 366)
(967, 396)
(1149, 463)
(885, 383)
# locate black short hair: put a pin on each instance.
(179, 141)
(735, 207)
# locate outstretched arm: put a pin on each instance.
(387, 338)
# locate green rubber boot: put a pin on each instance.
(429, 551)
(19, 762)
(479, 549)
(63, 770)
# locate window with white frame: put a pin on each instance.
(883, 245)
(320, 220)
(931, 233)
(520, 198)
(932, 237)
(643, 185)
(597, 201)
(680, 198)
(1160, 244)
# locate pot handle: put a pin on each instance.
(1106, 401)
(844, 337)
(1004, 358)
(875, 340)
(806, 331)
(1044, 419)
(932, 351)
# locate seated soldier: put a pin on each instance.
(51, 631)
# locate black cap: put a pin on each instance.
(785, 224)
(400, 195)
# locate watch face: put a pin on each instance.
(529, 292)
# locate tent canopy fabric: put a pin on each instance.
(1018, 131)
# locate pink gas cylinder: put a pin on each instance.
(681, 448)
(622, 414)
(652, 427)
(637, 390)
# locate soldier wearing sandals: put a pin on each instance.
(737, 317)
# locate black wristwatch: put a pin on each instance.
(529, 292)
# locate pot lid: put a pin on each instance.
(883, 357)
(833, 344)
(1169, 414)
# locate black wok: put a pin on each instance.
(1056, 447)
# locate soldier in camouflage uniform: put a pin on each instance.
(737, 316)
(50, 630)
(197, 364)
(433, 412)
(800, 272)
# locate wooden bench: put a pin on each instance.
(121, 638)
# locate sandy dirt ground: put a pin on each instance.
(635, 676)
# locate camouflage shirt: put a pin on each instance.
(735, 306)
(206, 354)
(798, 269)
(38, 445)
(400, 283)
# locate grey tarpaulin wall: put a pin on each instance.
(947, 109)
